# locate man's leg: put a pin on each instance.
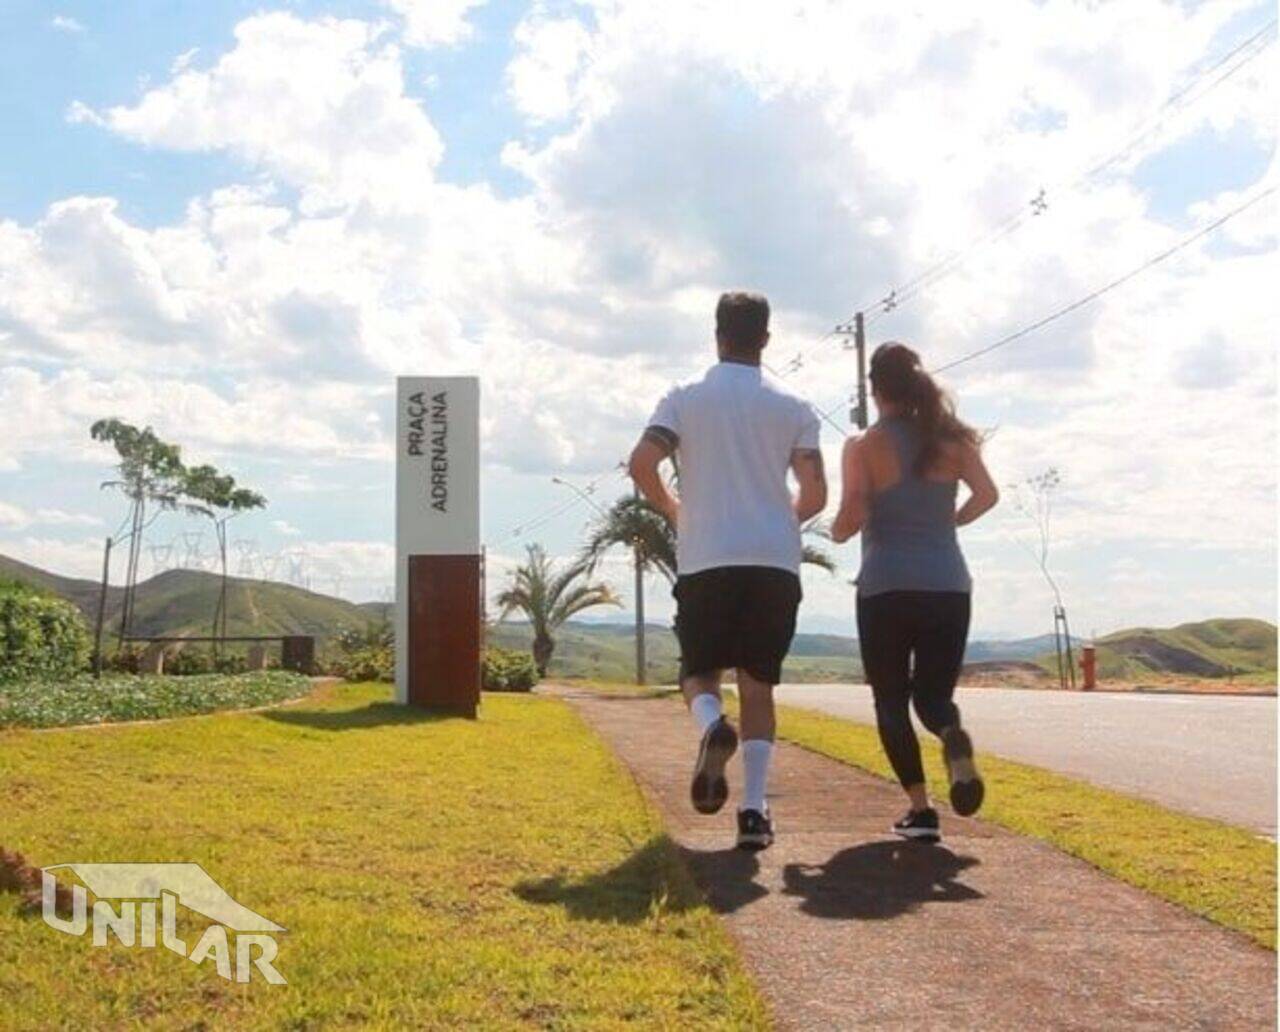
(769, 602)
(702, 694)
(758, 725)
(709, 788)
(700, 618)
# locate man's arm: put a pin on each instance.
(656, 444)
(810, 473)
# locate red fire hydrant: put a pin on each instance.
(1089, 668)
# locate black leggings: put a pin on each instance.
(893, 628)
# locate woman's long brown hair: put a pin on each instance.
(898, 376)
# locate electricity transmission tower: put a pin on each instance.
(192, 558)
(246, 553)
(161, 557)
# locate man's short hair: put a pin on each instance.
(742, 321)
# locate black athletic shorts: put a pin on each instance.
(736, 617)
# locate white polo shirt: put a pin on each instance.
(736, 431)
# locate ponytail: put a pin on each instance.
(898, 376)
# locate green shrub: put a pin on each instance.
(504, 670)
(366, 655)
(41, 636)
(186, 661)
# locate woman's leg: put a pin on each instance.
(940, 643)
(884, 637)
(939, 655)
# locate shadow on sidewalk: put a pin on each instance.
(879, 880)
(727, 877)
(649, 883)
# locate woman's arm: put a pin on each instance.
(854, 488)
(983, 493)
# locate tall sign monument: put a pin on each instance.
(438, 605)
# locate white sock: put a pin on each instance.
(706, 709)
(756, 753)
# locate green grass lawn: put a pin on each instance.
(1224, 873)
(431, 872)
(127, 697)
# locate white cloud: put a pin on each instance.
(286, 528)
(65, 23)
(543, 76)
(674, 149)
(13, 516)
(430, 23)
(319, 104)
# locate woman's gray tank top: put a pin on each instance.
(909, 539)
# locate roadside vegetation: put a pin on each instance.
(126, 697)
(432, 872)
(41, 636)
(1223, 873)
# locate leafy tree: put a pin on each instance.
(151, 473)
(548, 598)
(217, 496)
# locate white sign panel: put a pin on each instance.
(437, 482)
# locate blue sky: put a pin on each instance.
(237, 222)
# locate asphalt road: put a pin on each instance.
(1214, 756)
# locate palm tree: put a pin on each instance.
(634, 523)
(549, 598)
(812, 554)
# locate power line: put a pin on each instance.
(550, 514)
(1039, 204)
(556, 511)
(908, 290)
(943, 267)
(1095, 294)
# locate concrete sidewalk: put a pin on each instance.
(844, 926)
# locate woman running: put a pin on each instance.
(899, 489)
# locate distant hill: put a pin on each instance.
(1208, 648)
(182, 602)
(607, 652)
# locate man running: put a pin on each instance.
(734, 436)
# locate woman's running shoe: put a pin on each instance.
(966, 783)
(919, 826)
(755, 830)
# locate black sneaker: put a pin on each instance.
(755, 830)
(710, 789)
(919, 825)
(967, 789)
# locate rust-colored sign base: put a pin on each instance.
(444, 632)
